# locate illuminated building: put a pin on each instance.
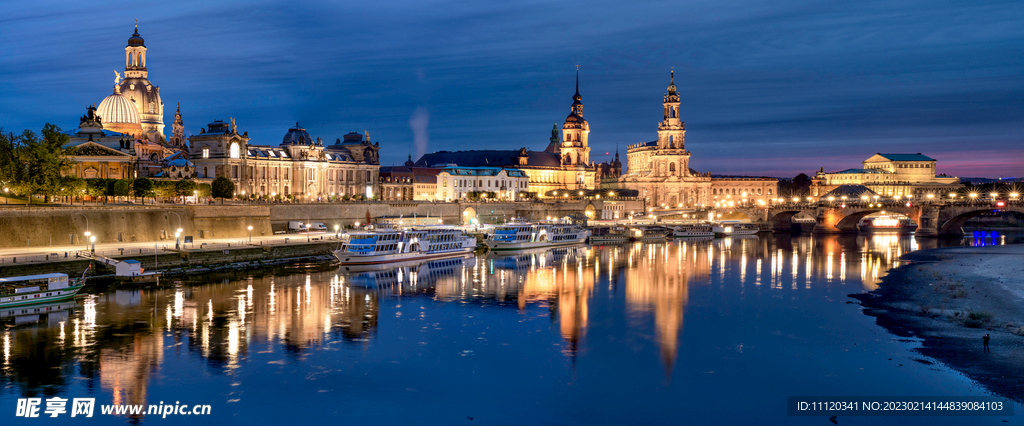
(300, 166)
(890, 175)
(563, 165)
(660, 170)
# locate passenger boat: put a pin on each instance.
(43, 288)
(651, 233)
(409, 275)
(388, 246)
(886, 223)
(726, 229)
(519, 236)
(692, 230)
(613, 235)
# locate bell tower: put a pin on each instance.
(135, 56)
(575, 150)
(178, 129)
(671, 130)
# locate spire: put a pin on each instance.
(577, 80)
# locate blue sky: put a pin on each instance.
(768, 88)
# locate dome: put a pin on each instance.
(118, 109)
(296, 136)
(136, 39)
(118, 114)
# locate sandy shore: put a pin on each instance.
(951, 297)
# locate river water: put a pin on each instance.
(686, 332)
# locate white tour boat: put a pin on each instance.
(726, 229)
(692, 230)
(374, 247)
(43, 288)
(650, 234)
(519, 236)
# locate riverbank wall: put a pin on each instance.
(174, 263)
(41, 226)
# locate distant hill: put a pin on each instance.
(981, 180)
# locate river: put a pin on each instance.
(685, 332)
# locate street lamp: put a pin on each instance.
(250, 234)
(307, 232)
(88, 238)
(177, 244)
(92, 240)
(335, 231)
(5, 194)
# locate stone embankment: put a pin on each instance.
(186, 262)
(950, 298)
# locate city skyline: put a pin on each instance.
(764, 92)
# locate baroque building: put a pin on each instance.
(300, 166)
(141, 95)
(99, 153)
(562, 166)
(890, 175)
(660, 170)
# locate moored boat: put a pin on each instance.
(609, 235)
(691, 230)
(886, 223)
(651, 233)
(726, 229)
(389, 246)
(42, 288)
(519, 236)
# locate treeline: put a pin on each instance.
(32, 164)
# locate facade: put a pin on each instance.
(890, 175)
(300, 166)
(563, 165)
(660, 170)
(99, 153)
(455, 183)
(408, 182)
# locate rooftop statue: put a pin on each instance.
(117, 78)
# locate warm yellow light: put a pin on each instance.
(796, 199)
(974, 195)
(250, 227)
(831, 198)
(1014, 195)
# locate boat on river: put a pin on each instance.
(609, 235)
(693, 230)
(728, 229)
(521, 236)
(651, 233)
(390, 246)
(42, 288)
(887, 223)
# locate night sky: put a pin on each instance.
(768, 88)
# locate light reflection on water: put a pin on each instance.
(124, 345)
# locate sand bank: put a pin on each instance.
(951, 297)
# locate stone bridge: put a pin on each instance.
(933, 220)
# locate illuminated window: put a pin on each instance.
(206, 152)
(234, 150)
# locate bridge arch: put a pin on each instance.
(954, 225)
(468, 214)
(782, 221)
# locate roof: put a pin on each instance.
(489, 158)
(418, 174)
(482, 171)
(854, 171)
(32, 277)
(906, 157)
(850, 191)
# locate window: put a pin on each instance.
(206, 152)
(234, 150)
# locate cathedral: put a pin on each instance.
(563, 166)
(660, 170)
(128, 121)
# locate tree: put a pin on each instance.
(44, 161)
(96, 188)
(802, 184)
(10, 166)
(143, 187)
(222, 188)
(122, 188)
(184, 188)
(72, 186)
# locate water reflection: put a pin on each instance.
(115, 344)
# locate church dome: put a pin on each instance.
(118, 114)
(118, 109)
(296, 136)
(136, 39)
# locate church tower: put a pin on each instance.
(178, 129)
(671, 130)
(140, 91)
(575, 151)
